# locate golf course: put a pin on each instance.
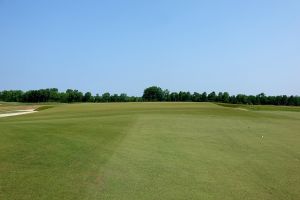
(136, 151)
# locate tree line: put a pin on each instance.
(157, 94)
(69, 96)
(153, 93)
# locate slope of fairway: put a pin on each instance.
(150, 151)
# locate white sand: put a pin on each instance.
(18, 112)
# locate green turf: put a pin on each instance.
(261, 107)
(43, 108)
(150, 151)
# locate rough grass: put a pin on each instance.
(261, 107)
(43, 108)
(13, 107)
(150, 151)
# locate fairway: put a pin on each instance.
(136, 151)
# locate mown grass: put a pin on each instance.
(150, 151)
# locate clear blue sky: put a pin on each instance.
(124, 46)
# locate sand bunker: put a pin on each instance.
(18, 112)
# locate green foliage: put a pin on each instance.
(212, 96)
(153, 93)
(88, 97)
(106, 97)
(11, 95)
